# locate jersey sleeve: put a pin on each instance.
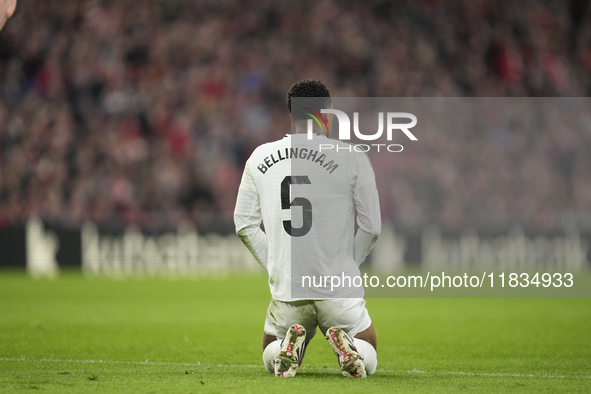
(248, 218)
(367, 204)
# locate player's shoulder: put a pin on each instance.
(264, 149)
(349, 146)
(354, 151)
(272, 144)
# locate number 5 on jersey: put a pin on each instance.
(298, 201)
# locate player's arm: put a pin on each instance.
(248, 218)
(369, 220)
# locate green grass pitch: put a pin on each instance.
(79, 335)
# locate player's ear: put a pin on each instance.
(11, 8)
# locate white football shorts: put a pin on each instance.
(350, 314)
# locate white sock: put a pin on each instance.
(270, 354)
(369, 354)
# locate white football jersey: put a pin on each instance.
(305, 193)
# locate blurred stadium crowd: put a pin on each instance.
(144, 112)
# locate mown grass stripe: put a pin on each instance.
(417, 371)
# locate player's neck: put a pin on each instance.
(302, 128)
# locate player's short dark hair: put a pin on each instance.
(319, 97)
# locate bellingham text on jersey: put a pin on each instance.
(298, 153)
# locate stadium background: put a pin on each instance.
(132, 120)
(124, 126)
